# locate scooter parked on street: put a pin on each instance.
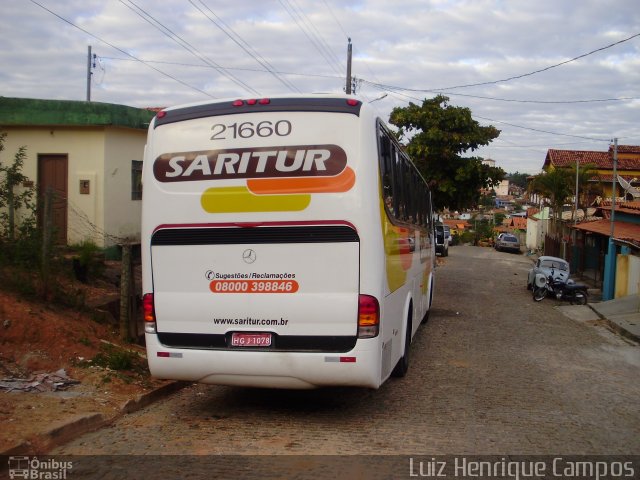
(575, 293)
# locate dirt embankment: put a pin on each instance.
(39, 339)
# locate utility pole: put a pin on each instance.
(348, 86)
(608, 284)
(89, 66)
(575, 210)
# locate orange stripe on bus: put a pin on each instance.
(339, 183)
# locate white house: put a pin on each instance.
(90, 155)
(503, 188)
(537, 228)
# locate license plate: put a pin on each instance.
(239, 339)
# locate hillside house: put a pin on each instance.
(590, 249)
(587, 241)
(90, 155)
(628, 167)
(537, 228)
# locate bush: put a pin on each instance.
(88, 262)
(117, 359)
(19, 238)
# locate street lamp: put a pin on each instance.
(379, 98)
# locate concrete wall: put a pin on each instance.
(627, 275)
(101, 155)
(502, 188)
(122, 214)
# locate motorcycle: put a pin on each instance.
(575, 293)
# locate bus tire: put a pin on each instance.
(401, 368)
(425, 319)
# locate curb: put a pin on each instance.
(615, 327)
(619, 329)
(69, 430)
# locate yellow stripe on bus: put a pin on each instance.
(240, 199)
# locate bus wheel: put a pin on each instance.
(401, 368)
(425, 319)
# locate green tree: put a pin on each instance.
(436, 134)
(488, 201)
(16, 237)
(519, 179)
(556, 187)
(585, 173)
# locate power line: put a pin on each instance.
(146, 16)
(346, 35)
(238, 40)
(515, 77)
(509, 100)
(241, 69)
(315, 42)
(547, 102)
(318, 34)
(545, 145)
(523, 127)
(544, 131)
(120, 50)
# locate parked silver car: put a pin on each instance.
(508, 242)
(546, 265)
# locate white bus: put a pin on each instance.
(287, 242)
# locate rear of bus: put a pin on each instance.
(257, 216)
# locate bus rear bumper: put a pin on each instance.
(293, 370)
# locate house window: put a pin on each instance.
(136, 180)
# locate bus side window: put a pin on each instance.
(405, 196)
(386, 171)
(398, 187)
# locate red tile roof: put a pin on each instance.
(518, 222)
(457, 223)
(625, 231)
(632, 208)
(601, 160)
(633, 179)
(626, 149)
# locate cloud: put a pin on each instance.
(192, 53)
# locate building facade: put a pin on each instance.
(89, 155)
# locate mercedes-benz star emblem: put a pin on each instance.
(249, 256)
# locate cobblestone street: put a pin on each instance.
(492, 372)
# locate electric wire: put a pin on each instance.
(121, 50)
(510, 100)
(241, 69)
(319, 36)
(514, 77)
(146, 16)
(544, 131)
(242, 43)
(296, 18)
(346, 35)
(593, 139)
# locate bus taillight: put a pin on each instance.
(149, 313)
(368, 316)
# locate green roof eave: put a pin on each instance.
(36, 112)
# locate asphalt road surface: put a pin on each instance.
(492, 372)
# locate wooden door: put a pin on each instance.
(52, 173)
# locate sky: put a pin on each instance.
(550, 74)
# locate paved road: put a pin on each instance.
(492, 373)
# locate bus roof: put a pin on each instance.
(320, 103)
